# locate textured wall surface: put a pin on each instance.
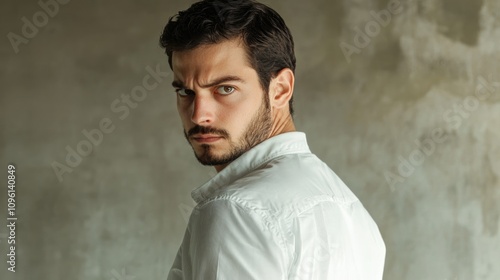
(401, 99)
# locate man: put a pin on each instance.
(274, 210)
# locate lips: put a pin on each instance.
(206, 138)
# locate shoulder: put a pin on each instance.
(288, 185)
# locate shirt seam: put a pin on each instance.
(318, 199)
(266, 217)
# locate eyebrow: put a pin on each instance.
(225, 79)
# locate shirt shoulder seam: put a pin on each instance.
(269, 220)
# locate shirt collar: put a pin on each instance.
(281, 144)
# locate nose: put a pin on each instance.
(203, 109)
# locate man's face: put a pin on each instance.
(223, 109)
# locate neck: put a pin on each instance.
(282, 123)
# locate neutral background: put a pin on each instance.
(121, 212)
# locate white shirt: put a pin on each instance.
(278, 212)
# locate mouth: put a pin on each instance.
(206, 138)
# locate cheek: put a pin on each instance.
(239, 118)
(183, 112)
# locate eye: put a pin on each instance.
(183, 91)
(225, 90)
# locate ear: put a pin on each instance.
(281, 89)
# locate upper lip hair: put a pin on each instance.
(205, 136)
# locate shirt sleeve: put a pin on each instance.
(227, 241)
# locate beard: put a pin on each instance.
(257, 131)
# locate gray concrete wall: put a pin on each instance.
(404, 108)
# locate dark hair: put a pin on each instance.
(267, 39)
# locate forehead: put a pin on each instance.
(207, 61)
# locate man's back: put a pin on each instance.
(278, 212)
